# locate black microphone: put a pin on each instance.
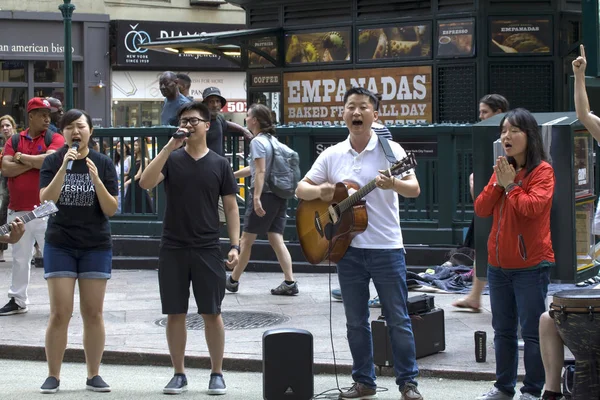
(74, 146)
(180, 134)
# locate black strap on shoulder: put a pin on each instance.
(17, 137)
(387, 149)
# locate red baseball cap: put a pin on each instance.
(37, 103)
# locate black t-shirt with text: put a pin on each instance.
(79, 222)
(193, 188)
(214, 135)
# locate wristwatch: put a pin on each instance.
(18, 157)
(235, 246)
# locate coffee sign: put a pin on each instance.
(316, 98)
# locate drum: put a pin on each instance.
(576, 314)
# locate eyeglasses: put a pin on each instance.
(191, 121)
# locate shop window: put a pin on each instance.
(133, 114)
(13, 71)
(13, 102)
(57, 92)
(52, 71)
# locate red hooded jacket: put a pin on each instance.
(520, 235)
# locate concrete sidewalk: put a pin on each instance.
(133, 335)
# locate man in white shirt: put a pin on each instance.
(378, 252)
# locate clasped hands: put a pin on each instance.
(505, 172)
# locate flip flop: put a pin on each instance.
(463, 306)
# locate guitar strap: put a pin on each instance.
(387, 149)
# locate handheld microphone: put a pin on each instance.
(181, 134)
(74, 146)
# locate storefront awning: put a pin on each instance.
(228, 44)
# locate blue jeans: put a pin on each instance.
(518, 296)
(64, 262)
(387, 268)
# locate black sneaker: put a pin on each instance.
(177, 385)
(285, 290)
(230, 286)
(97, 384)
(12, 308)
(216, 384)
(50, 385)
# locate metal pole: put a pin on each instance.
(67, 12)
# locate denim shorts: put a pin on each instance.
(63, 262)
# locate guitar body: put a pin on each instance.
(316, 228)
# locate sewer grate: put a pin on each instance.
(234, 320)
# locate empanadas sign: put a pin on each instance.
(316, 98)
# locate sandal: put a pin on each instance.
(462, 304)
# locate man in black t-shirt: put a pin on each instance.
(219, 126)
(195, 179)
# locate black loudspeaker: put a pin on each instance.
(288, 365)
(428, 329)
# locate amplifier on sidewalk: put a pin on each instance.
(428, 329)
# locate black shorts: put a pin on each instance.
(273, 221)
(204, 268)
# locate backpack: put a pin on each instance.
(284, 171)
(17, 137)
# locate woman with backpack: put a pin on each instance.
(265, 211)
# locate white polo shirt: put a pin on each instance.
(340, 163)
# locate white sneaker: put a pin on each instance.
(528, 396)
(495, 394)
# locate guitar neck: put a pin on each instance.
(353, 199)
(30, 216)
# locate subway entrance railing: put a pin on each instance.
(437, 217)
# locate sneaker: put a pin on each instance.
(551, 395)
(217, 384)
(230, 286)
(495, 394)
(528, 396)
(97, 384)
(285, 290)
(337, 294)
(177, 385)
(50, 385)
(374, 302)
(359, 391)
(12, 308)
(410, 392)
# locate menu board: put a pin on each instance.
(266, 44)
(520, 35)
(455, 38)
(317, 47)
(395, 42)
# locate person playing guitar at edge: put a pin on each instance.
(378, 252)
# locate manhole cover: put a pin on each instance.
(234, 320)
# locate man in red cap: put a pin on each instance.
(21, 165)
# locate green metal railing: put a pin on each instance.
(437, 216)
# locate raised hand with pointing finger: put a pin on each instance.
(580, 62)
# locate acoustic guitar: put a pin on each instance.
(43, 210)
(326, 229)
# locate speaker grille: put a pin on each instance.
(457, 93)
(524, 85)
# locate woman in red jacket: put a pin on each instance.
(519, 197)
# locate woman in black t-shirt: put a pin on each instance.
(83, 184)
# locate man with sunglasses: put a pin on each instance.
(173, 98)
(195, 179)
